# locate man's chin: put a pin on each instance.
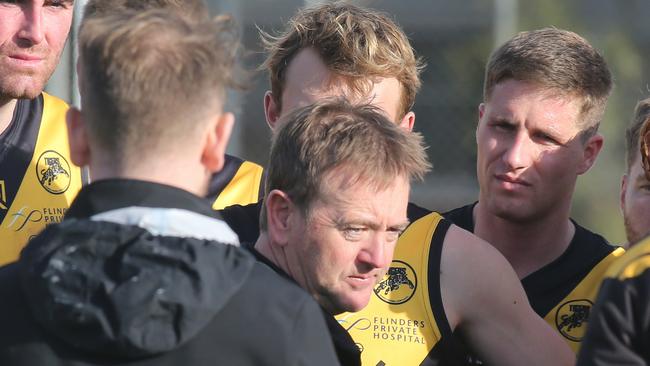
(22, 87)
(25, 93)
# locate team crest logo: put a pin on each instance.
(53, 172)
(398, 284)
(571, 319)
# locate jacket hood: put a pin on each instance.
(125, 290)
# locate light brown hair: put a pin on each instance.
(559, 61)
(151, 80)
(334, 134)
(633, 131)
(355, 43)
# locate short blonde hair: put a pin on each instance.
(150, 80)
(334, 134)
(355, 43)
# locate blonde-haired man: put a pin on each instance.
(141, 271)
(335, 50)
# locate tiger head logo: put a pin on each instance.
(398, 284)
(53, 172)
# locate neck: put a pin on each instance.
(162, 171)
(7, 108)
(527, 245)
(264, 247)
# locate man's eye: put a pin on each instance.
(505, 127)
(393, 235)
(58, 3)
(546, 138)
(353, 232)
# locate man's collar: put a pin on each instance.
(112, 194)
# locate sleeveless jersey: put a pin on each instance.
(563, 292)
(37, 179)
(238, 183)
(404, 322)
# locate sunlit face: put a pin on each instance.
(342, 249)
(529, 151)
(635, 202)
(308, 80)
(32, 37)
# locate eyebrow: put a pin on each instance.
(373, 225)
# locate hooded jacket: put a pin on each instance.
(140, 274)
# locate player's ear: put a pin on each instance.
(271, 111)
(77, 137)
(279, 209)
(216, 141)
(408, 121)
(590, 152)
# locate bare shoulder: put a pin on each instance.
(472, 272)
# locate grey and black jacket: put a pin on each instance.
(145, 274)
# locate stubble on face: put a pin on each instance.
(26, 64)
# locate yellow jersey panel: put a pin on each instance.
(39, 192)
(404, 320)
(240, 184)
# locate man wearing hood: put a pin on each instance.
(141, 271)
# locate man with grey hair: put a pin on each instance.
(545, 93)
(337, 190)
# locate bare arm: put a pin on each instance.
(483, 297)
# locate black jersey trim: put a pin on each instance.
(415, 212)
(220, 180)
(462, 217)
(17, 147)
(550, 284)
(445, 351)
(435, 257)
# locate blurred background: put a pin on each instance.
(455, 39)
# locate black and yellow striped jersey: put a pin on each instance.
(240, 182)
(563, 292)
(619, 326)
(37, 179)
(405, 322)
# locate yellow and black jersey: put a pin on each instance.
(240, 182)
(619, 326)
(563, 292)
(405, 322)
(37, 179)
